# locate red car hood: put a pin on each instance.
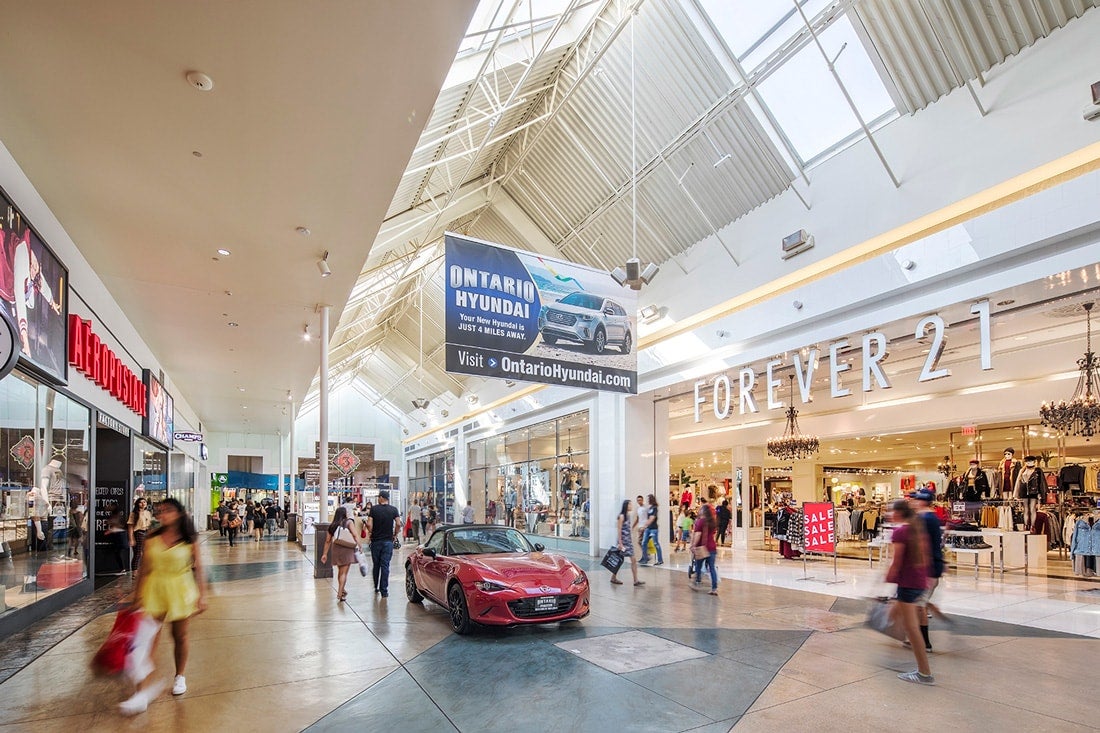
(533, 570)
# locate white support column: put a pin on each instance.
(293, 460)
(608, 458)
(322, 411)
(279, 436)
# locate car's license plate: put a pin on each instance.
(546, 603)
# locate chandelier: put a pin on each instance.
(1081, 415)
(793, 444)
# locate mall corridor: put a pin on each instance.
(276, 652)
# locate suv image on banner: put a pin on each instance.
(593, 321)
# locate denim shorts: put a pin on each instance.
(909, 595)
(685, 535)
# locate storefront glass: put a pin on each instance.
(433, 485)
(181, 480)
(150, 470)
(534, 478)
(44, 460)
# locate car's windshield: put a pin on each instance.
(486, 540)
(583, 300)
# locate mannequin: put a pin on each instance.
(975, 483)
(1010, 471)
(40, 497)
(1030, 485)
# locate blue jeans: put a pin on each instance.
(709, 561)
(381, 552)
(651, 533)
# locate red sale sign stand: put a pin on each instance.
(820, 528)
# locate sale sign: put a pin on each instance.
(820, 527)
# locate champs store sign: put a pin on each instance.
(728, 396)
(96, 360)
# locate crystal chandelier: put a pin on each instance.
(793, 444)
(1081, 415)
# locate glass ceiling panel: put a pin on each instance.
(753, 29)
(806, 101)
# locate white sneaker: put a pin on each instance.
(139, 703)
(181, 685)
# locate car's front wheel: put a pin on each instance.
(460, 612)
(411, 591)
(599, 341)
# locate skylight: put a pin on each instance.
(807, 102)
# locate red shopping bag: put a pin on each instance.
(111, 657)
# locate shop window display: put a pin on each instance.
(535, 479)
(150, 471)
(44, 452)
(432, 488)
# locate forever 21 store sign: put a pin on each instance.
(873, 352)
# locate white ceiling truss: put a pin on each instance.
(529, 145)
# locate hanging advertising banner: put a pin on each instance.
(34, 292)
(820, 527)
(160, 415)
(517, 315)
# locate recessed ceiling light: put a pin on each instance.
(196, 153)
(233, 324)
(304, 231)
(228, 292)
(240, 389)
(244, 407)
(224, 252)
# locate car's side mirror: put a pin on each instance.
(428, 552)
(539, 547)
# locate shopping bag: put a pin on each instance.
(139, 663)
(362, 560)
(111, 657)
(878, 618)
(613, 560)
(651, 548)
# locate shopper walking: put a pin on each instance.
(249, 518)
(342, 556)
(259, 521)
(221, 511)
(625, 523)
(118, 537)
(922, 503)
(137, 526)
(651, 534)
(383, 525)
(468, 513)
(683, 529)
(232, 523)
(170, 588)
(272, 514)
(703, 536)
(909, 570)
(725, 516)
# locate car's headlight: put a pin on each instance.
(581, 579)
(489, 586)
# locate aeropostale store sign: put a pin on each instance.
(873, 350)
(98, 362)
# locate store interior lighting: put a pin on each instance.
(1081, 414)
(322, 265)
(650, 313)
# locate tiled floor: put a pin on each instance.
(276, 652)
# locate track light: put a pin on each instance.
(322, 265)
(305, 333)
(420, 403)
(650, 313)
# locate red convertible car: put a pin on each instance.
(493, 575)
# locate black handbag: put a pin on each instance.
(613, 560)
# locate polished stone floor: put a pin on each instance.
(276, 652)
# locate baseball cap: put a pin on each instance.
(383, 494)
(922, 495)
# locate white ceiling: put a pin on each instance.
(315, 112)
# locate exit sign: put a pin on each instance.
(970, 429)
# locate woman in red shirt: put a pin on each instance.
(909, 569)
(703, 536)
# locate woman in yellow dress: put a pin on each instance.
(169, 588)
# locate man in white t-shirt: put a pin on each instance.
(468, 513)
(640, 518)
